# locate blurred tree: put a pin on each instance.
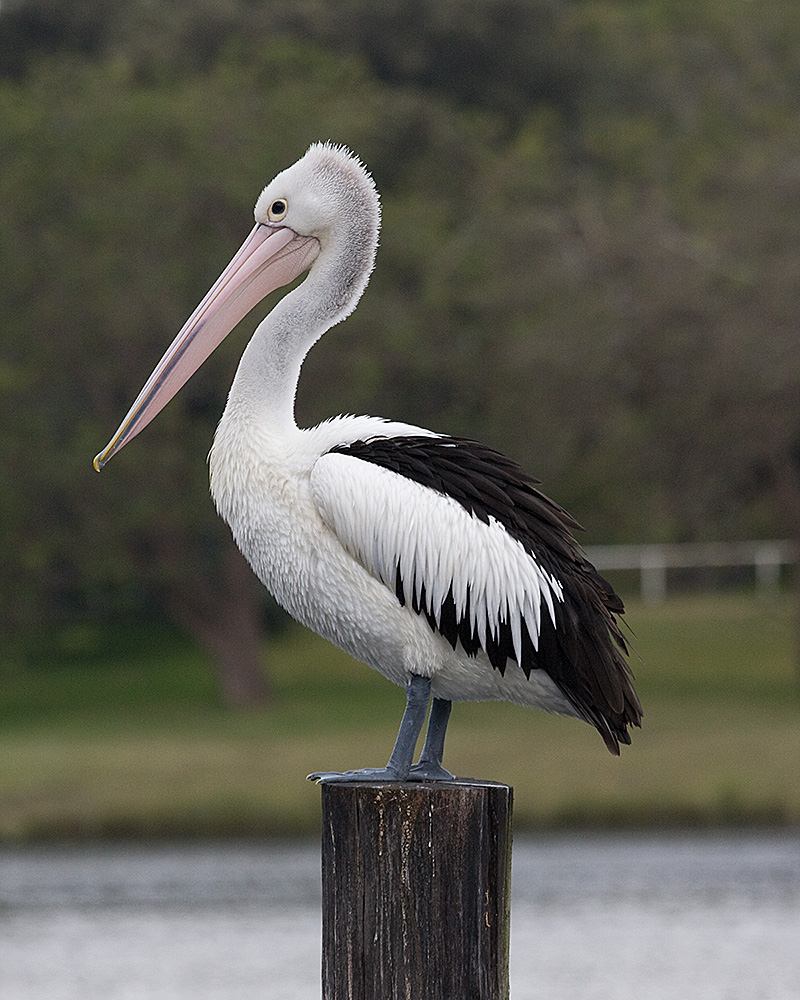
(500, 55)
(691, 134)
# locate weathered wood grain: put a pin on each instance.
(416, 891)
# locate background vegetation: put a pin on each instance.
(125, 736)
(589, 259)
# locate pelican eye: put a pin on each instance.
(277, 210)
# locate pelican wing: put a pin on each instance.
(461, 534)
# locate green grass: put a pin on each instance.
(124, 735)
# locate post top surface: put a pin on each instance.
(430, 786)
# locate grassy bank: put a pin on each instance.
(129, 740)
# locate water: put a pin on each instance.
(713, 917)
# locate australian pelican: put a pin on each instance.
(434, 559)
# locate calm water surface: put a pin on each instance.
(713, 917)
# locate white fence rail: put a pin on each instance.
(653, 561)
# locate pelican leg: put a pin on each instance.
(418, 694)
(430, 767)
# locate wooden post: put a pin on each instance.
(416, 884)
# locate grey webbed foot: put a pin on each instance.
(364, 774)
(429, 771)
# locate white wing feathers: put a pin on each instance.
(392, 525)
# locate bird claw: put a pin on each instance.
(425, 771)
(365, 774)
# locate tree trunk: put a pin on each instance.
(225, 619)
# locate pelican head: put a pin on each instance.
(323, 212)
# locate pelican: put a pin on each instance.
(431, 558)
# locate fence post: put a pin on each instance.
(768, 559)
(416, 890)
(653, 574)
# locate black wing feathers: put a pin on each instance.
(583, 652)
